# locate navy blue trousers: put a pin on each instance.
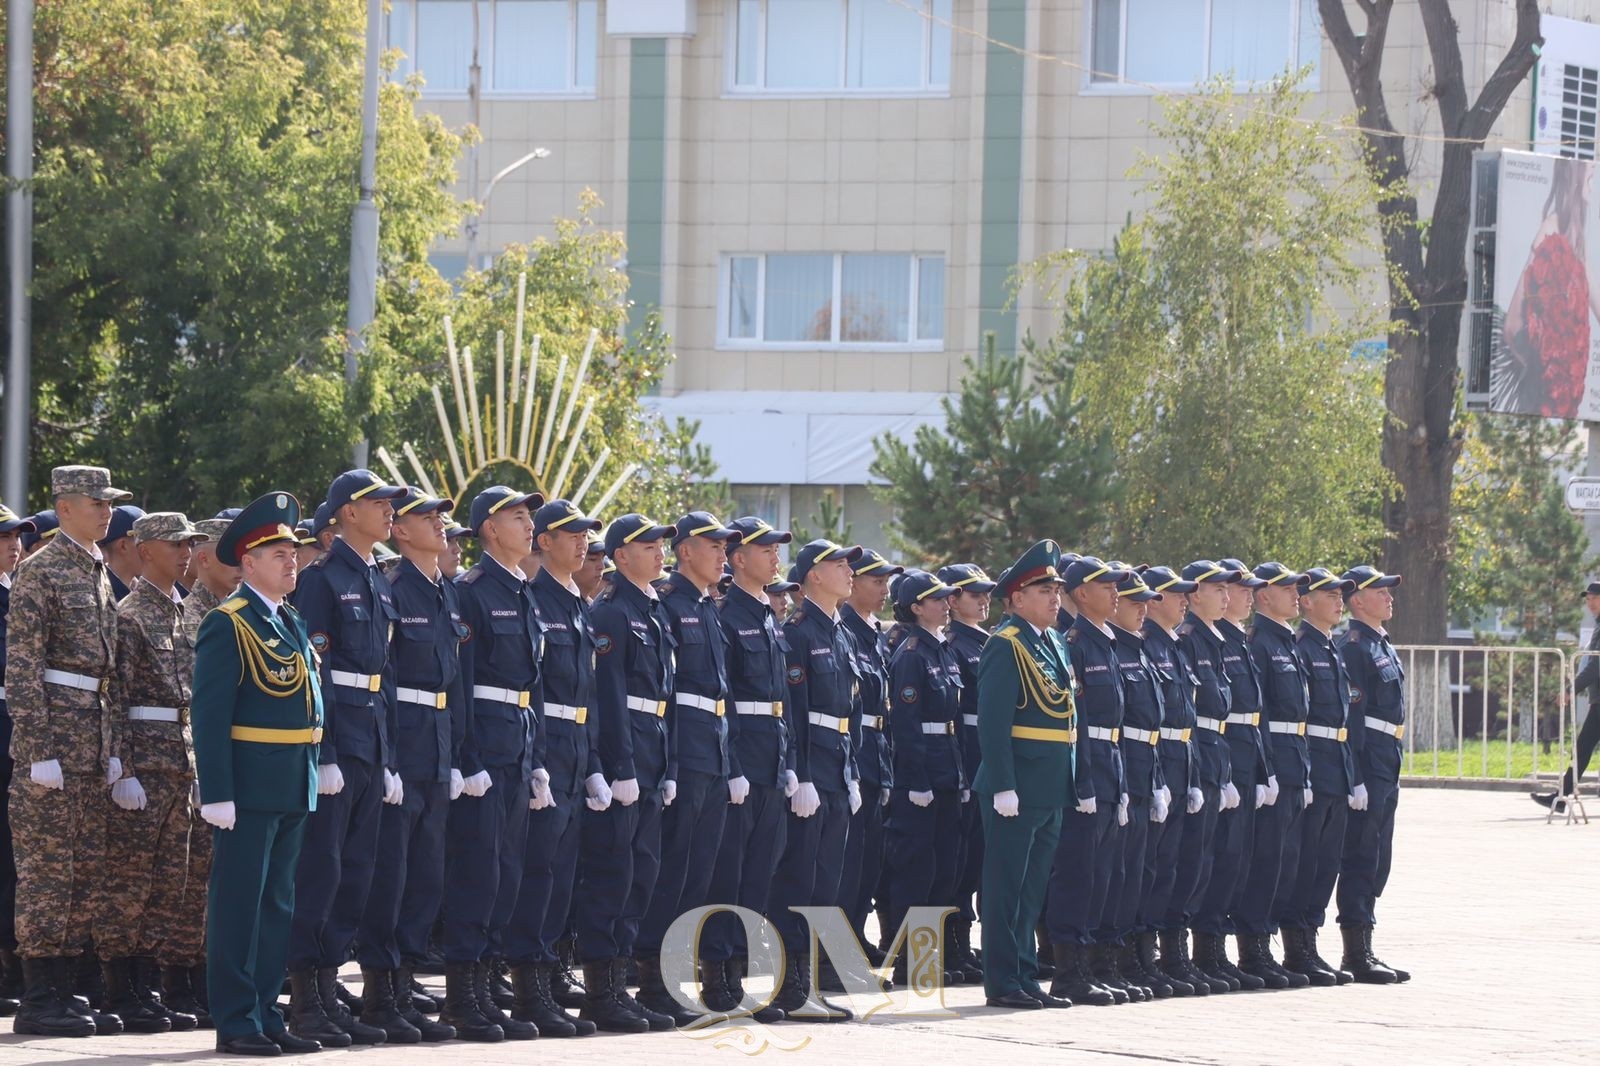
(408, 882)
(1368, 848)
(1080, 876)
(1234, 842)
(483, 860)
(691, 833)
(1276, 850)
(922, 847)
(549, 871)
(753, 837)
(1126, 893)
(865, 878)
(812, 865)
(1321, 832)
(1196, 856)
(330, 891)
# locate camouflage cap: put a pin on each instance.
(212, 527)
(165, 525)
(91, 481)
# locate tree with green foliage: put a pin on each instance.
(825, 523)
(196, 172)
(1211, 347)
(1015, 462)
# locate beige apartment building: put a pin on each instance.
(827, 199)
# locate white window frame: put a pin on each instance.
(1123, 88)
(756, 343)
(486, 43)
(733, 88)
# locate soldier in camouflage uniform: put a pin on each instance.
(147, 838)
(12, 530)
(183, 967)
(59, 662)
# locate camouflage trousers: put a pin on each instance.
(186, 942)
(147, 862)
(59, 836)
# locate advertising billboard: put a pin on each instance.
(1533, 340)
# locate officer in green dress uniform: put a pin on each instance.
(257, 720)
(1027, 736)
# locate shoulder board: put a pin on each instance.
(470, 576)
(665, 587)
(1072, 635)
(1009, 632)
(232, 606)
(605, 594)
(1185, 629)
(796, 616)
(910, 644)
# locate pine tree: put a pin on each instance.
(826, 522)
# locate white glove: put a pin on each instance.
(47, 774)
(394, 792)
(221, 815)
(921, 799)
(128, 794)
(669, 792)
(1088, 806)
(791, 784)
(1272, 789)
(805, 802)
(1006, 804)
(1159, 806)
(626, 791)
(113, 770)
(330, 779)
(1164, 794)
(599, 792)
(966, 795)
(1230, 796)
(476, 785)
(1358, 798)
(1122, 809)
(1261, 796)
(855, 796)
(883, 797)
(457, 783)
(1197, 799)
(738, 789)
(541, 796)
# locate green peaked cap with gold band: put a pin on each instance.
(266, 520)
(1042, 562)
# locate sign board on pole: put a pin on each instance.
(1583, 494)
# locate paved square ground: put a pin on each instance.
(1491, 910)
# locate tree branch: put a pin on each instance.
(1514, 66)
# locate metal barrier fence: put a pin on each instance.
(1488, 706)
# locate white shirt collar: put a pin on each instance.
(5, 580)
(92, 550)
(272, 604)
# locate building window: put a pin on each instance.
(1580, 110)
(1180, 43)
(820, 300)
(871, 47)
(525, 47)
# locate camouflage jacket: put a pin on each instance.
(62, 618)
(155, 667)
(196, 606)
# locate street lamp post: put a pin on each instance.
(364, 220)
(19, 249)
(483, 204)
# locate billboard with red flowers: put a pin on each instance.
(1533, 337)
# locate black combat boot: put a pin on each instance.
(1156, 978)
(1343, 977)
(1256, 961)
(122, 999)
(963, 957)
(1072, 980)
(177, 995)
(338, 1011)
(601, 1004)
(11, 984)
(1296, 980)
(1247, 982)
(499, 983)
(564, 983)
(1102, 970)
(1400, 976)
(147, 985)
(1142, 971)
(1207, 948)
(714, 990)
(43, 1010)
(795, 993)
(1297, 961)
(460, 1010)
(653, 994)
(1176, 965)
(1041, 936)
(530, 985)
(660, 1022)
(307, 1019)
(432, 1032)
(408, 990)
(202, 995)
(379, 1010)
(1366, 969)
(733, 972)
(489, 1007)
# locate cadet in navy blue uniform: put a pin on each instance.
(1377, 721)
(821, 675)
(500, 656)
(1335, 785)
(691, 827)
(1200, 641)
(123, 564)
(1283, 725)
(12, 530)
(621, 848)
(1166, 895)
(760, 760)
(1250, 773)
(1148, 799)
(923, 830)
(969, 610)
(426, 674)
(568, 745)
(1089, 851)
(349, 611)
(864, 879)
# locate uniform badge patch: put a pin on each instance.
(319, 641)
(603, 644)
(908, 694)
(796, 674)
(463, 632)
(1355, 694)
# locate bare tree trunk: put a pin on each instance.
(1427, 286)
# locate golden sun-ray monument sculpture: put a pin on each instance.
(480, 435)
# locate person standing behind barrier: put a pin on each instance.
(969, 610)
(1378, 716)
(1275, 852)
(1336, 785)
(1587, 680)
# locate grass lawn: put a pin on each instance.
(1469, 762)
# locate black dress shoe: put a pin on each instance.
(249, 1044)
(1543, 799)
(1047, 1000)
(294, 1045)
(1017, 1000)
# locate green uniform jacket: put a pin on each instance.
(255, 776)
(1039, 771)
